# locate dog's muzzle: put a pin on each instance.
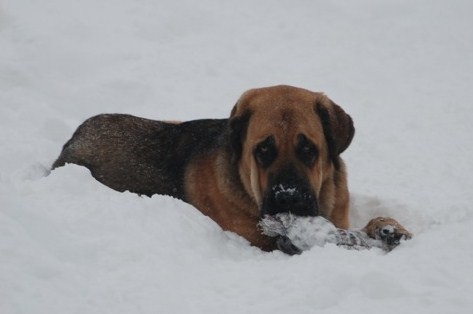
(294, 199)
(289, 194)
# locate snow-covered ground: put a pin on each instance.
(402, 69)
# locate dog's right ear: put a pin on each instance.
(237, 126)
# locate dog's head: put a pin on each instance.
(286, 142)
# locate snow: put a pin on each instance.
(402, 69)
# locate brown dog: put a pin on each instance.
(278, 152)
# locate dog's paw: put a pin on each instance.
(388, 231)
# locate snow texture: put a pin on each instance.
(402, 69)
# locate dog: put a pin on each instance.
(279, 151)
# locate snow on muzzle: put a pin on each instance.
(297, 199)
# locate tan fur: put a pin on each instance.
(209, 188)
(375, 225)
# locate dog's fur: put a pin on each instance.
(279, 151)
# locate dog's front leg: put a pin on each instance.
(388, 231)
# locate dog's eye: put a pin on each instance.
(307, 151)
(265, 152)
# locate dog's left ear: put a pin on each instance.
(338, 127)
(237, 126)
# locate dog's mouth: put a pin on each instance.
(289, 191)
(293, 199)
(289, 198)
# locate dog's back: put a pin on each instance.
(140, 155)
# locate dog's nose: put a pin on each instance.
(289, 199)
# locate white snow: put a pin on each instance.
(402, 69)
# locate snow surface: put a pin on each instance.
(402, 69)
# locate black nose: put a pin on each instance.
(292, 199)
(287, 198)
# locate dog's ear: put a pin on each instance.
(338, 127)
(237, 126)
